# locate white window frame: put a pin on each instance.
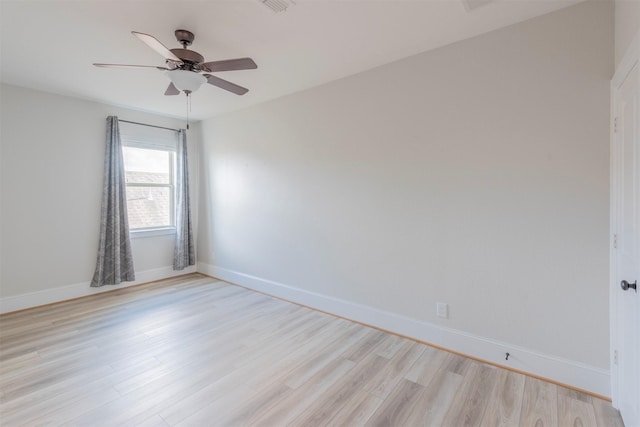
(151, 138)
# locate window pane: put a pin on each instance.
(146, 166)
(149, 207)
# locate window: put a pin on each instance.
(150, 192)
(149, 162)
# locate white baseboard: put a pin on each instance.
(63, 293)
(557, 369)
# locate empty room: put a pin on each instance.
(320, 213)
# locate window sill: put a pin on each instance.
(151, 232)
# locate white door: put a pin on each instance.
(625, 253)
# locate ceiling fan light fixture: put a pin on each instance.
(186, 80)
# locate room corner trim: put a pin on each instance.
(78, 290)
(562, 371)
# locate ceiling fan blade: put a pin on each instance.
(172, 90)
(155, 44)
(129, 66)
(229, 65)
(223, 84)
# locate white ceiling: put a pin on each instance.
(51, 45)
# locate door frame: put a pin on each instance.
(630, 59)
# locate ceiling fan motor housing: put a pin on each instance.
(190, 58)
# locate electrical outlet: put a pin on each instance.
(442, 309)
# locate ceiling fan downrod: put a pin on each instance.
(184, 37)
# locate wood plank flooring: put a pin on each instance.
(194, 351)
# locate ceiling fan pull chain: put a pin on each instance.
(188, 93)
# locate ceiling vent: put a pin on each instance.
(278, 5)
(470, 5)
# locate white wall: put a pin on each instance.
(51, 189)
(627, 25)
(475, 174)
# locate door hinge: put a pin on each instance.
(615, 241)
(615, 125)
(615, 357)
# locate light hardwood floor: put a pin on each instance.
(194, 351)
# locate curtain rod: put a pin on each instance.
(151, 126)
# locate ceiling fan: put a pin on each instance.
(183, 66)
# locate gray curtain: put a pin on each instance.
(184, 253)
(115, 262)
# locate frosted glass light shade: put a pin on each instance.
(186, 80)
